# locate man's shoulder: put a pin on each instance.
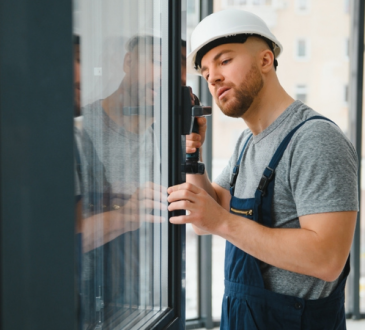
(321, 130)
(92, 108)
(322, 138)
(92, 115)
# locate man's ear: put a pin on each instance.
(267, 60)
(127, 63)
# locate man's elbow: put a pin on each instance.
(330, 271)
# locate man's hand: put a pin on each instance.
(195, 140)
(139, 208)
(202, 210)
(124, 216)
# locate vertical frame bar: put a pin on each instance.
(175, 319)
(176, 233)
(356, 100)
(37, 221)
(205, 242)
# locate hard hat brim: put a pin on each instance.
(190, 65)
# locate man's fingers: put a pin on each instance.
(193, 137)
(184, 190)
(179, 220)
(180, 205)
(154, 219)
(193, 144)
(152, 191)
(152, 194)
(151, 204)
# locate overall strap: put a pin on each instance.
(265, 190)
(269, 170)
(236, 168)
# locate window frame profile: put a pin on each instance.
(37, 220)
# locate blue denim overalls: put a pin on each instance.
(246, 303)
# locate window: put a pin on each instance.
(346, 6)
(125, 163)
(302, 49)
(346, 94)
(301, 93)
(302, 5)
(347, 48)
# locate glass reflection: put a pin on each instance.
(120, 188)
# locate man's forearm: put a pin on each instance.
(319, 253)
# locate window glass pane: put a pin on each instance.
(301, 93)
(192, 300)
(121, 90)
(301, 48)
(362, 233)
(324, 73)
(302, 5)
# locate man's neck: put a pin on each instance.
(113, 107)
(266, 108)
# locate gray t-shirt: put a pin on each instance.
(129, 159)
(117, 163)
(317, 174)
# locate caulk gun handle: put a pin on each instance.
(196, 155)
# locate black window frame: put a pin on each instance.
(37, 222)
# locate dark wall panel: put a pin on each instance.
(36, 165)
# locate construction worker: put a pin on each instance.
(286, 202)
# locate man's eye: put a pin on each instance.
(206, 77)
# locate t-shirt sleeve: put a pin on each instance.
(224, 177)
(323, 171)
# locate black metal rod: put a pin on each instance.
(205, 242)
(176, 233)
(356, 99)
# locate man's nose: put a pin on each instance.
(215, 76)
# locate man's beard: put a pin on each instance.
(237, 105)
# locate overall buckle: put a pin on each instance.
(265, 179)
(234, 176)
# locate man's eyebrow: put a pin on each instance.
(216, 57)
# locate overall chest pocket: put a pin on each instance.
(247, 213)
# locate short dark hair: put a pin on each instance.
(142, 39)
(147, 39)
(235, 39)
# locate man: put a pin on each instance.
(287, 201)
(118, 146)
(119, 150)
(119, 197)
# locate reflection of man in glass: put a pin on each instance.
(119, 148)
(120, 200)
(118, 140)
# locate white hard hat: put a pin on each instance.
(227, 23)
